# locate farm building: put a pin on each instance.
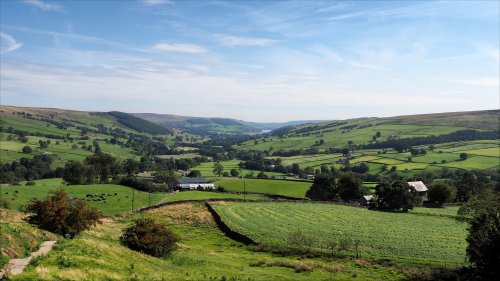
(194, 183)
(421, 189)
(365, 200)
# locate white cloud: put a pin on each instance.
(44, 6)
(8, 43)
(491, 53)
(156, 2)
(179, 47)
(233, 41)
(327, 53)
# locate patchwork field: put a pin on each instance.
(410, 236)
(207, 168)
(203, 195)
(288, 188)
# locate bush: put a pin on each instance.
(27, 149)
(30, 183)
(149, 237)
(139, 184)
(61, 214)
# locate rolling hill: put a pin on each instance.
(205, 126)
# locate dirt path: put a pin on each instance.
(16, 266)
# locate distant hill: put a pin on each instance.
(206, 125)
(363, 131)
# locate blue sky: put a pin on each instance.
(253, 60)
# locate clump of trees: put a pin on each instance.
(345, 186)
(398, 195)
(150, 237)
(59, 213)
(482, 213)
(440, 192)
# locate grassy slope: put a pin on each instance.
(17, 238)
(206, 169)
(203, 254)
(114, 204)
(406, 126)
(295, 189)
(382, 234)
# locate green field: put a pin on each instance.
(114, 204)
(203, 195)
(381, 234)
(207, 168)
(204, 254)
(288, 188)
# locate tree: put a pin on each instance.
(324, 188)
(23, 139)
(414, 152)
(149, 237)
(105, 166)
(396, 196)
(482, 213)
(361, 168)
(234, 173)
(194, 174)
(466, 186)
(440, 192)
(61, 214)
(130, 167)
(378, 134)
(43, 144)
(218, 168)
(27, 149)
(345, 152)
(350, 187)
(261, 174)
(463, 156)
(74, 172)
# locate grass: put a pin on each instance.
(203, 195)
(17, 238)
(204, 254)
(381, 234)
(114, 204)
(288, 188)
(206, 169)
(450, 211)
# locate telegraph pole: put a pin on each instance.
(244, 190)
(133, 194)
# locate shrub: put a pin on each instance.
(61, 214)
(301, 241)
(30, 183)
(149, 237)
(27, 149)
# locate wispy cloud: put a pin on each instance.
(156, 2)
(179, 47)
(233, 41)
(486, 81)
(368, 66)
(50, 7)
(8, 43)
(327, 53)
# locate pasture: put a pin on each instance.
(206, 169)
(287, 188)
(203, 195)
(204, 254)
(409, 236)
(116, 199)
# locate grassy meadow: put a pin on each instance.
(204, 253)
(411, 236)
(207, 168)
(118, 198)
(288, 188)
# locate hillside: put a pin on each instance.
(204, 125)
(74, 135)
(365, 131)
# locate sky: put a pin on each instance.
(262, 61)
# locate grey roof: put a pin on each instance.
(368, 197)
(418, 185)
(192, 180)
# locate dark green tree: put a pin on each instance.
(324, 188)
(130, 167)
(350, 187)
(218, 169)
(27, 149)
(482, 213)
(105, 166)
(467, 185)
(396, 196)
(440, 193)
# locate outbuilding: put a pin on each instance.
(421, 189)
(194, 184)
